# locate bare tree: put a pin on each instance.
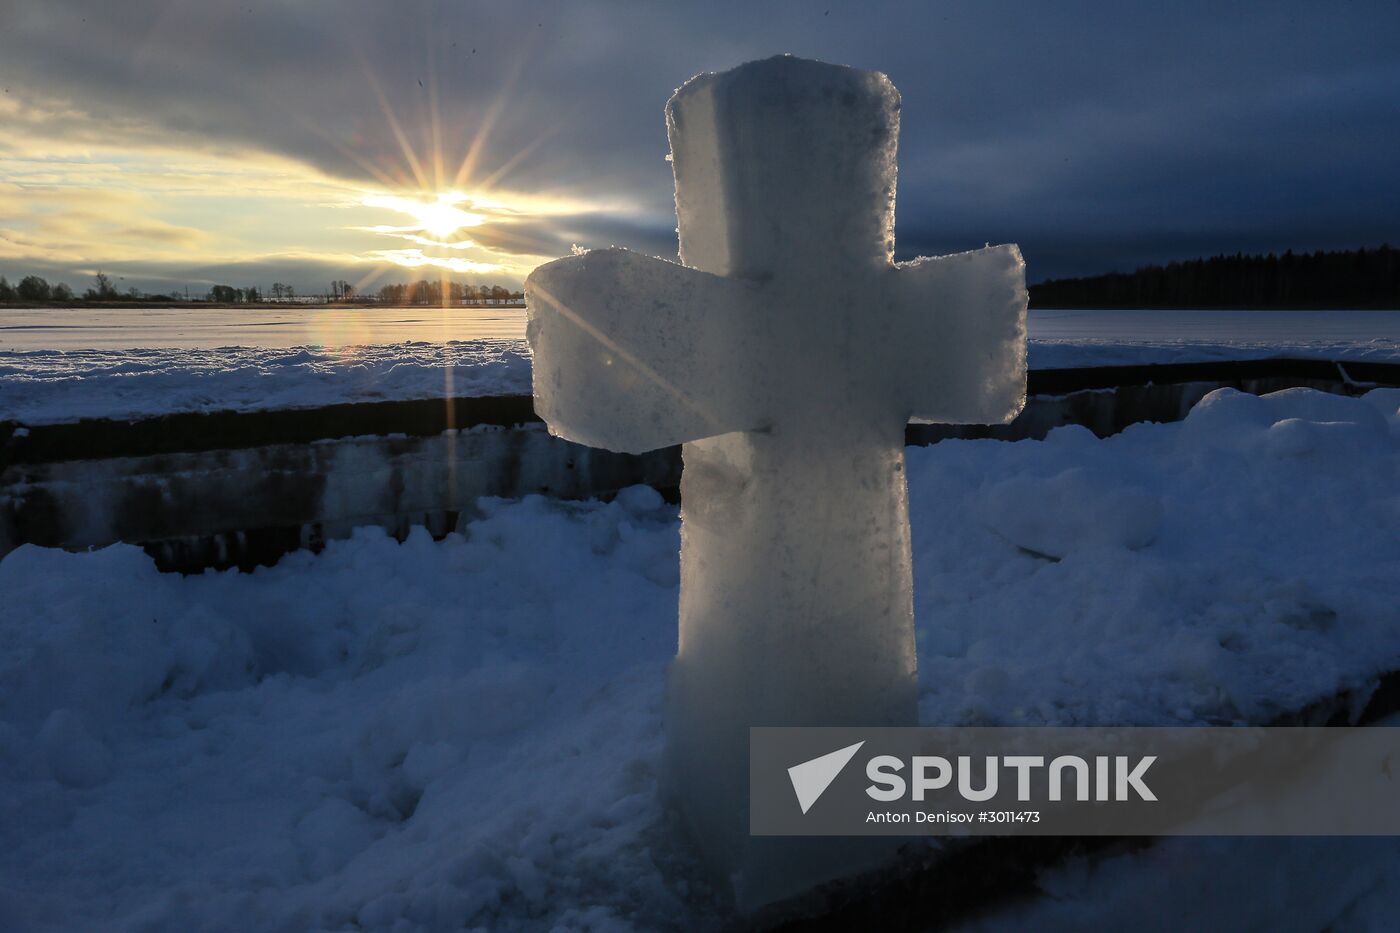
(102, 289)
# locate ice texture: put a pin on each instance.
(787, 352)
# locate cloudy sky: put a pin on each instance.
(196, 141)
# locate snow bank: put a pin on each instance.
(468, 732)
(385, 734)
(1229, 567)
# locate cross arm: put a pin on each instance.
(633, 353)
(961, 322)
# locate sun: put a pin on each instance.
(440, 217)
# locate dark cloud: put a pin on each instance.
(1097, 135)
(556, 236)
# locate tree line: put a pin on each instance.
(34, 289)
(1358, 278)
(424, 292)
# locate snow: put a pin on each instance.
(1342, 885)
(1065, 339)
(51, 386)
(469, 733)
(1236, 563)
(287, 327)
(787, 354)
(91, 371)
(373, 735)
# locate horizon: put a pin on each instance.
(1325, 284)
(172, 145)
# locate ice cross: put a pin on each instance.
(787, 353)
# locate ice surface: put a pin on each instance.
(50, 386)
(460, 734)
(288, 326)
(787, 353)
(1064, 338)
(44, 384)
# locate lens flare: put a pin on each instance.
(440, 217)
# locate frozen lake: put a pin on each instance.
(63, 364)
(198, 328)
(270, 328)
(1279, 328)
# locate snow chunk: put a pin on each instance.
(1287, 423)
(1075, 510)
(75, 758)
(1387, 402)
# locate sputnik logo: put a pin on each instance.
(811, 778)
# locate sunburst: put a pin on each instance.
(440, 216)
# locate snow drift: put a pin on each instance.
(468, 732)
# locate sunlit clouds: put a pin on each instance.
(361, 167)
(81, 192)
(247, 137)
(414, 258)
(436, 223)
(440, 216)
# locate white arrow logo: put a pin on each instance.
(811, 778)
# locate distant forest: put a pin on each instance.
(1363, 278)
(36, 290)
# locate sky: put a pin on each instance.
(182, 143)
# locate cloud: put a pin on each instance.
(416, 258)
(1097, 135)
(169, 234)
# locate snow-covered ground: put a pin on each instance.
(73, 371)
(282, 328)
(50, 386)
(1113, 338)
(468, 732)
